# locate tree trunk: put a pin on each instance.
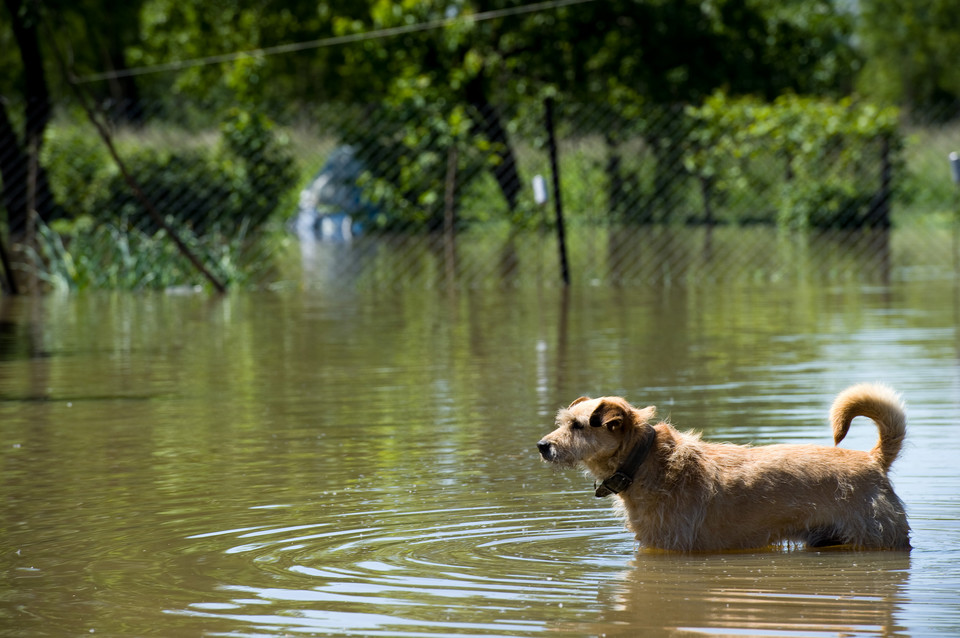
(107, 32)
(490, 126)
(616, 193)
(878, 214)
(14, 160)
(127, 106)
(13, 169)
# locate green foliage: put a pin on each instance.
(187, 183)
(677, 51)
(239, 182)
(830, 154)
(259, 163)
(911, 48)
(173, 30)
(84, 254)
(78, 165)
(435, 111)
(407, 155)
(406, 158)
(629, 58)
(927, 188)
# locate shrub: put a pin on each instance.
(239, 182)
(406, 148)
(258, 163)
(82, 254)
(836, 157)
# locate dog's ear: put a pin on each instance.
(611, 414)
(647, 414)
(576, 401)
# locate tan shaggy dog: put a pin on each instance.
(679, 492)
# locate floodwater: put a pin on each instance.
(363, 462)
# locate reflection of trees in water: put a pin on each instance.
(707, 253)
(629, 255)
(498, 256)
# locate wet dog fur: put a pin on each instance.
(692, 495)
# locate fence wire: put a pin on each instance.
(431, 195)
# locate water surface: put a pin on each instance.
(312, 461)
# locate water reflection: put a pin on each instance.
(628, 255)
(796, 593)
(362, 461)
(479, 569)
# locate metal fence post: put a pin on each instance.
(886, 181)
(11, 282)
(450, 214)
(557, 203)
(954, 158)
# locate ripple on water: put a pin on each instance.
(413, 571)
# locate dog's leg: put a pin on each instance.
(823, 537)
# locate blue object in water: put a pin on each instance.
(332, 207)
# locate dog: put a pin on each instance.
(679, 492)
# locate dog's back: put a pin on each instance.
(876, 402)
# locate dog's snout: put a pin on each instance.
(545, 448)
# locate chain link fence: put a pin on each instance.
(431, 195)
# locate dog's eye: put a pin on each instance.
(576, 425)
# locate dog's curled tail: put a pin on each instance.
(877, 402)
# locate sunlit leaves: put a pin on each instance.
(828, 151)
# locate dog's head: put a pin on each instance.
(592, 430)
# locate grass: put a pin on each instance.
(928, 188)
(86, 255)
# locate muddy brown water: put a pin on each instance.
(317, 462)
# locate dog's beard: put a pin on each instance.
(568, 460)
(563, 463)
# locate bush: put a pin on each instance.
(259, 165)
(239, 182)
(406, 148)
(82, 254)
(836, 158)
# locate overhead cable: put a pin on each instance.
(179, 65)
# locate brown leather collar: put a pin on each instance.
(623, 477)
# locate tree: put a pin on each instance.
(104, 30)
(107, 26)
(461, 84)
(641, 61)
(911, 50)
(182, 30)
(25, 182)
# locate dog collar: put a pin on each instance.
(623, 477)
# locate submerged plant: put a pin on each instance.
(81, 255)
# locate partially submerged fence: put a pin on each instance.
(436, 194)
